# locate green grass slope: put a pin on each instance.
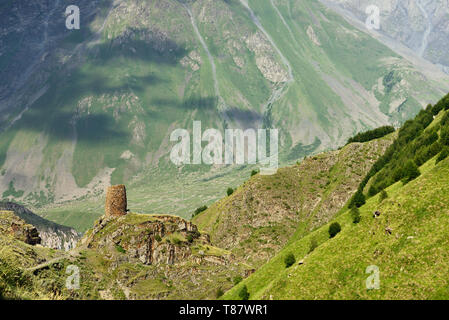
(261, 215)
(407, 242)
(413, 260)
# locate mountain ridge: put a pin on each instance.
(130, 78)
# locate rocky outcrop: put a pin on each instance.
(116, 203)
(154, 240)
(12, 225)
(150, 239)
(265, 61)
(52, 235)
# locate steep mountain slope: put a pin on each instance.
(406, 242)
(258, 219)
(52, 234)
(131, 257)
(412, 260)
(166, 257)
(12, 225)
(421, 25)
(100, 104)
(19, 251)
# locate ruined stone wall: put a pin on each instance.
(116, 203)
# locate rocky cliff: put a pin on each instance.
(12, 225)
(53, 235)
(150, 239)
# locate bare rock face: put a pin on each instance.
(17, 228)
(116, 204)
(153, 240)
(53, 235)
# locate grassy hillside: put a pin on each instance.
(412, 260)
(261, 215)
(407, 242)
(133, 257)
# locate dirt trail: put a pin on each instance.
(71, 254)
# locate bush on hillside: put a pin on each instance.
(254, 172)
(355, 215)
(443, 154)
(444, 136)
(229, 191)
(237, 280)
(383, 196)
(443, 104)
(199, 210)
(313, 244)
(120, 249)
(427, 153)
(334, 229)
(372, 134)
(219, 293)
(243, 293)
(289, 260)
(358, 199)
(410, 172)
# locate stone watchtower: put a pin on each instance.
(116, 204)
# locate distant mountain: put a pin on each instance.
(53, 235)
(421, 25)
(82, 109)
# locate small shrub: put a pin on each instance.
(355, 214)
(372, 134)
(289, 260)
(444, 136)
(177, 241)
(358, 199)
(334, 229)
(243, 293)
(199, 210)
(383, 196)
(313, 244)
(443, 154)
(219, 293)
(410, 172)
(229, 191)
(237, 280)
(158, 238)
(254, 172)
(190, 238)
(120, 249)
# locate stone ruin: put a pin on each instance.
(116, 204)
